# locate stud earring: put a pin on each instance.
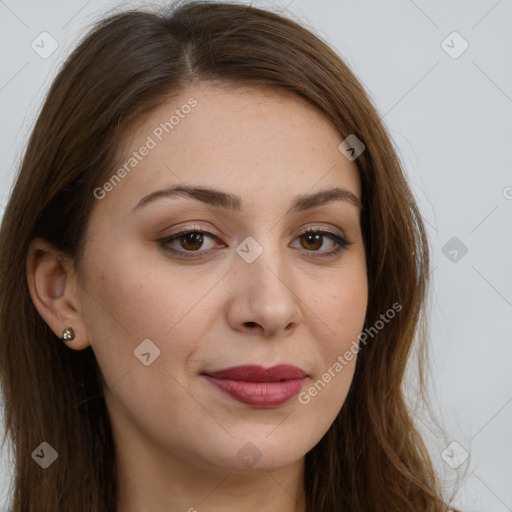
(68, 334)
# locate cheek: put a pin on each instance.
(340, 308)
(137, 294)
(351, 304)
(116, 307)
(325, 394)
(130, 306)
(131, 298)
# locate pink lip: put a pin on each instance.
(258, 386)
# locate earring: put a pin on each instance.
(68, 334)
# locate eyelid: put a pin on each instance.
(213, 232)
(184, 230)
(193, 228)
(323, 229)
(339, 238)
(335, 234)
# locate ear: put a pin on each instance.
(53, 287)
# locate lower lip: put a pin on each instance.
(259, 394)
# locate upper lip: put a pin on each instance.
(256, 373)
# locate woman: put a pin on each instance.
(212, 273)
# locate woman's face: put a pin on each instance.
(248, 286)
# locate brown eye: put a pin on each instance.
(188, 241)
(191, 241)
(313, 239)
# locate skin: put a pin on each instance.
(177, 436)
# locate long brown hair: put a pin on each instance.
(372, 457)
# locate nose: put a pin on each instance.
(263, 295)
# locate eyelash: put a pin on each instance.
(342, 243)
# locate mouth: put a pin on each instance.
(257, 386)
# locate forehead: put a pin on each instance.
(236, 138)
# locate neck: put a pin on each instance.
(192, 489)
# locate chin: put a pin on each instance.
(257, 453)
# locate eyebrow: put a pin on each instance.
(233, 202)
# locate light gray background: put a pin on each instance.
(451, 120)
